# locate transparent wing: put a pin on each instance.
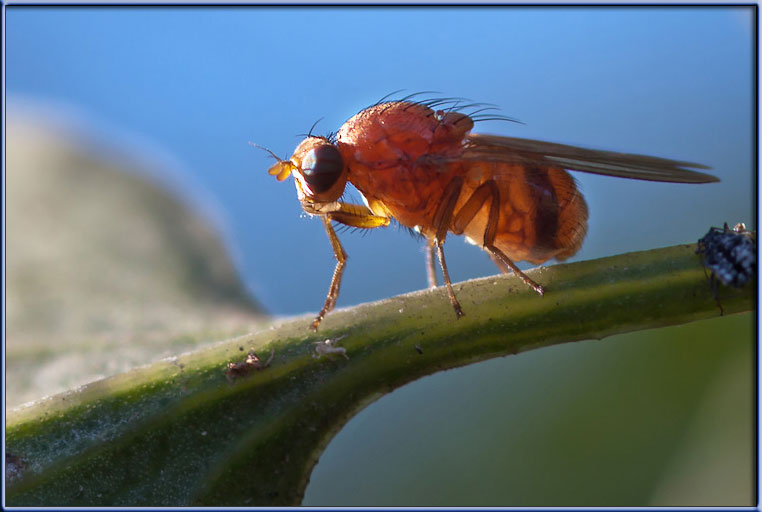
(531, 153)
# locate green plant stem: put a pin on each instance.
(179, 433)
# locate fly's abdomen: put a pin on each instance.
(541, 215)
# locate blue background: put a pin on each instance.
(189, 87)
(199, 83)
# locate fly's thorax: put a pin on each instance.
(389, 133)
(451, 130)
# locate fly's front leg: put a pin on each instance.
(351, 215)
(341, 260)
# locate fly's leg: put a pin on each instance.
(341, 260)
(489, 191)
(442, 219)
(431, 271)
(503, 268)
(351, 215)
(446, 275)
(498, 254)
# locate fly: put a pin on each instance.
(424, 168)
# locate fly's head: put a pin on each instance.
(319, 174)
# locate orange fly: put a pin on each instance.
(424, 168)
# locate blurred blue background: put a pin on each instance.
(190, 87)
(199, 83)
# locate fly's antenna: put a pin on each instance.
(280, 160)
(282, 169)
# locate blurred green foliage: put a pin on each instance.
(662, 417)
(107, 269)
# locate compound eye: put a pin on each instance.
(322, 167)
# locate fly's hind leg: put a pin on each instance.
(497, 254)
(351, 215)
(489, 191)
(498, 263)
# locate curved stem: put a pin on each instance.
(180, 433)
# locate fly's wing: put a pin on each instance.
(531, 153)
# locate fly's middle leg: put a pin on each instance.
(442, 219)
(431, 271)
